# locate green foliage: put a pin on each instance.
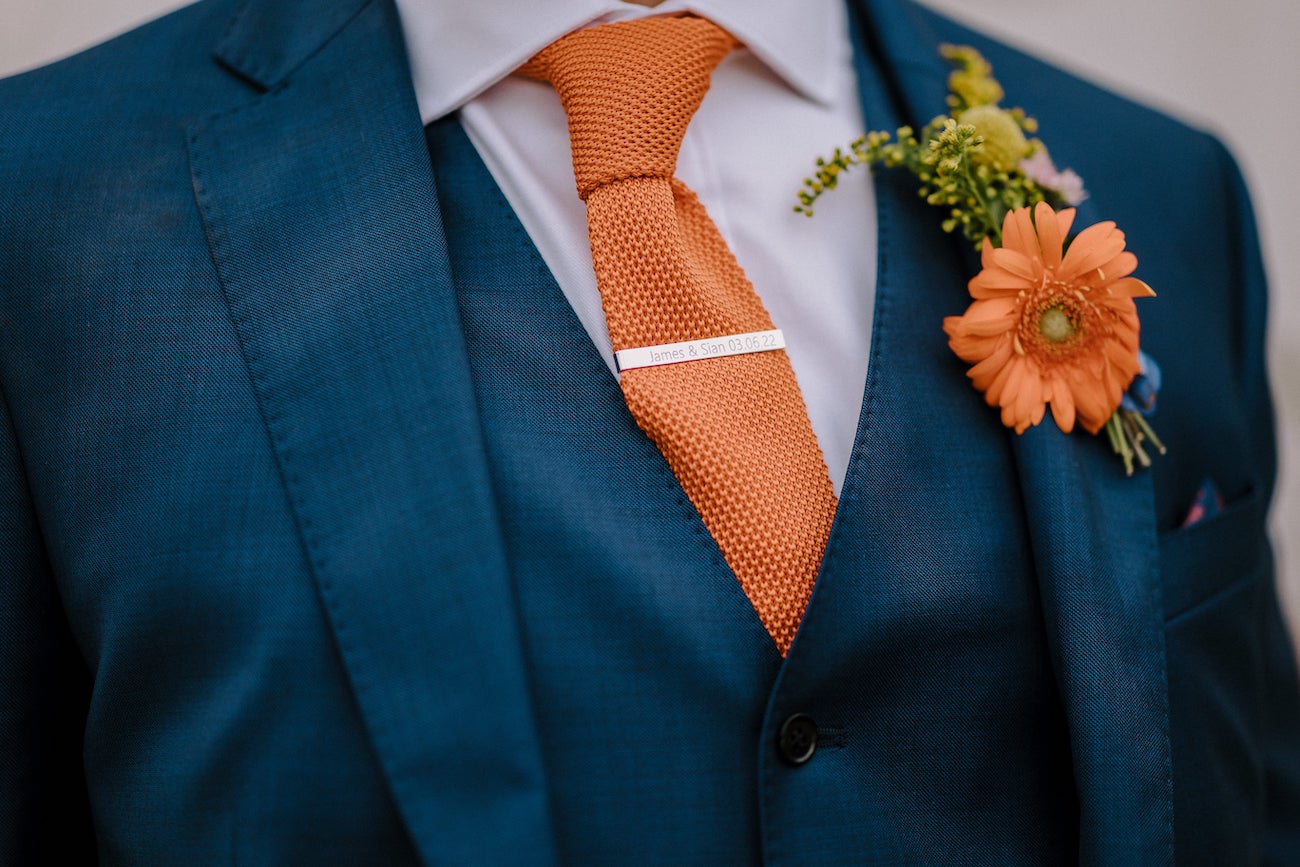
(967, 163)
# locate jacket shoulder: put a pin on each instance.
(1043, 87)
(91, 139)
(149, 55)
(157, 75)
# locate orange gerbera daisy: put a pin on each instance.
(1050, 325)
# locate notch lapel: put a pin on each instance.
(1094, 547)
(1094, 539)
(319, 204)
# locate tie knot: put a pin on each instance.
(629, 89)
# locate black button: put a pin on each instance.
(798, 739)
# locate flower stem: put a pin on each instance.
(1119, 441)
(1141, 422)
(1135, 437)
(985, 211)
(1128, 431)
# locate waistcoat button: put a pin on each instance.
(797, 740)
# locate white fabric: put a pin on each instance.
(773, 107)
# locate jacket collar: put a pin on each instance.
(267, 41)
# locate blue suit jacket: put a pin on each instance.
(256, 587)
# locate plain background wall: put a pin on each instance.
(1228, 67)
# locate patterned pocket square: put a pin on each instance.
(1207, 503)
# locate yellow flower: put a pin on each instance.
(972, 82)
(1049, 325)
(1004, 141)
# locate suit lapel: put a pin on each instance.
(1093, 535)
(319, 204)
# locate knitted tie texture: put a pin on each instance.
(733, 430)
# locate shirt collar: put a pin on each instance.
(458, 50)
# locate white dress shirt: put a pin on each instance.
(789, 96)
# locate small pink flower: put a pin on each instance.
(1040, 169)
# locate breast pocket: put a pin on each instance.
(1217, 600)
(1210, 558)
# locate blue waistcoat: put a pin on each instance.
(660, 697)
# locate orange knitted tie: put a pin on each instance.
(733, 429)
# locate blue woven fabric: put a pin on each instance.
(294, 572)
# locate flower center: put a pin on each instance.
(1054, 324)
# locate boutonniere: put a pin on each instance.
(1052, 321)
